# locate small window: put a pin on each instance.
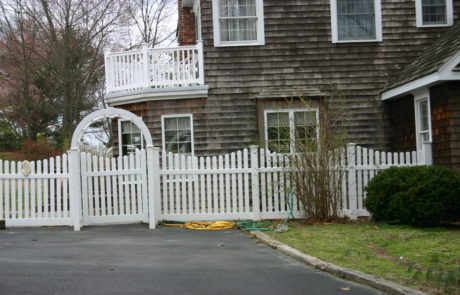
(432, 13)
(178, 134)
(238, 22)
(285, 129)
(356, 20)
(130, 137)
(424, 121)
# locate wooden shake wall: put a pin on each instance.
(298, 59)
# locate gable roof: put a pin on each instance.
(431, 60)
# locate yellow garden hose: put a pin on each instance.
(202, 225)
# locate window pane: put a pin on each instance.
(126, 126)
(136, 139)
(172, 147)
(278, 119)
(356, 19)
(184, 135)
(125, 139)
(424, 124)
(434, 11)
(170, 123)
(425, 137)
(183, 123)
(185, 148)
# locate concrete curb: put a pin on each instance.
(346, 273)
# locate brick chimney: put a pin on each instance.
(186, 25)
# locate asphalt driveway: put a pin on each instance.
(131, 259)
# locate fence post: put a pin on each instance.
(153, 177)
(75, 187)
(145, 55)
(351, 168)
(255, 182)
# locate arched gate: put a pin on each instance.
(106, 191)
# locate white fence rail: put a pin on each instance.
(248, 184)
(37, 195)
(154, 68)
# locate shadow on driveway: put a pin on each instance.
(131, 259)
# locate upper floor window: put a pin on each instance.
(356, 20)
(178, 134)
(286, 129)
(432, 13)
(238, 22)
(130, 137)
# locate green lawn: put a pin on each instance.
(425, 259)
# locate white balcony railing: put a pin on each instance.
(154, 68)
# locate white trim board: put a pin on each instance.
(157, 94)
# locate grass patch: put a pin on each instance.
(427, 259)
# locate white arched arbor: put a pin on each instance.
(153, 181)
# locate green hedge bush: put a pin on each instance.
(419, 196)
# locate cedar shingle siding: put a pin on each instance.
(299, 55)
(445, 115)
(299, 59)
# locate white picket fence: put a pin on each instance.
(38, 199)
(254, 184)
(248, 184)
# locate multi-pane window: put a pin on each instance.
(286, 129)
(238, 22)
(130, 137)
(356, 20)
(178, 134)
(434, 12)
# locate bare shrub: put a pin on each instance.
(317, 164)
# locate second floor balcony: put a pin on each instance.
(149, 70)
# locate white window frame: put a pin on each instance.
(120, 138)
(163, 138)
(378, 24)
(291, 124)
(449, 15)
(420, 96)
(260, 27)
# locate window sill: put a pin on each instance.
(358, 41)
(435, 25)
(239, 44)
